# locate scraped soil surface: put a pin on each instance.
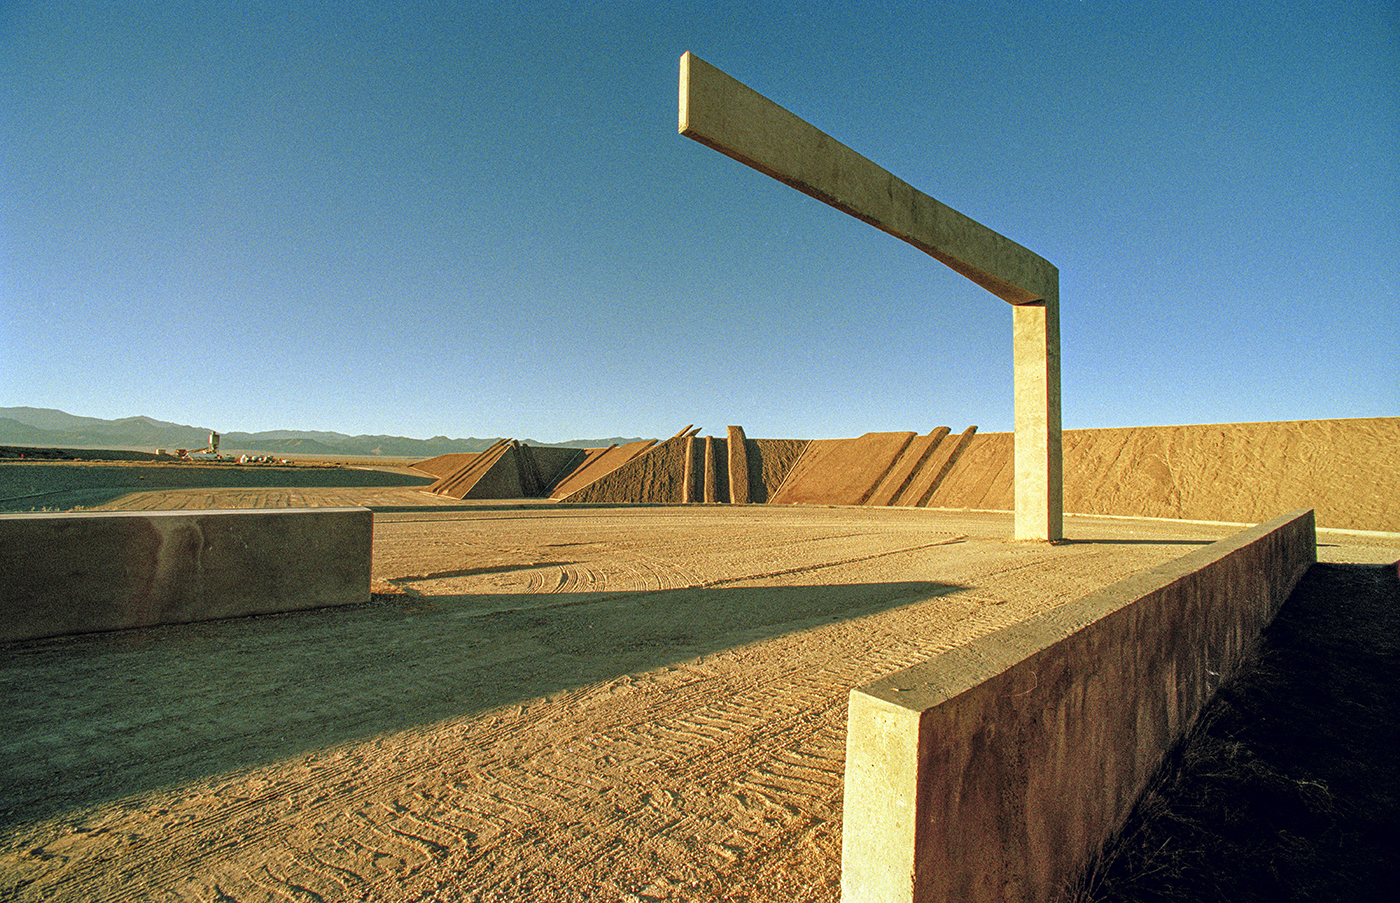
(66, 485)
(1236, 472)
(546, 704)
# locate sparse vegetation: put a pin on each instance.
(1289, 786)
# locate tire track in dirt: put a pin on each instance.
(715, 777)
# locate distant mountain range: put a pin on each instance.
(48, 428)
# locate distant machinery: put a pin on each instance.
(185, 453)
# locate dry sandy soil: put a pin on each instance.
(63, 485)
(542, 703)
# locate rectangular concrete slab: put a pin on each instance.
(77, 573)
(996, 770)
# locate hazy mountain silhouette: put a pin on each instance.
(47, 427)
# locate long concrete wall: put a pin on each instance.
(77, 573)
(994, 771)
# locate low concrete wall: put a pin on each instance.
(994, 771)
(75, 573)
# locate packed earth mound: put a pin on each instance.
(1230, 472)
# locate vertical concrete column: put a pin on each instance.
(688, 477)
(738, 466)
(1039, 455)
(711, 478)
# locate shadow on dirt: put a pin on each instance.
(1289, 786)
(102, 716)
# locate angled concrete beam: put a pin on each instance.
(728, 116)
(737, 121)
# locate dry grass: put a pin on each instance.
(1289, 786)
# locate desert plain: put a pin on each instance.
(541, 701)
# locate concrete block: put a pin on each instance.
(996, 770)
(77, 573)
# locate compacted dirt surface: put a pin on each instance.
(66, 485)
(541, 703)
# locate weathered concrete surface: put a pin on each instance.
(728, 116)
(76, 573)
(1039, 470)
(995, 770)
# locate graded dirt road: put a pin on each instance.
(545, 703)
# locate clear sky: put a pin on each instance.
(475, 219)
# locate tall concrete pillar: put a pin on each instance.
(711, 476)
(1039, 455)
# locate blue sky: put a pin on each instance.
(478, 219)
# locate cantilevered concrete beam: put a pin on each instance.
(735, 120)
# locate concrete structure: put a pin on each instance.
(724, 114)
(996, 770)
(77, 573)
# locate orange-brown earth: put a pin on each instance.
(1346, 470)
(544, 702)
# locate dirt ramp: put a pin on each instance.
(486, 475)
(507, 470)
(596, 464)
(1348, 471)
(981, 477)
(937, 463)
(769, 463)
(657, 475)
(842, 471)
(445, 465)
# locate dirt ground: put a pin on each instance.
(542, 703)
(65, 485)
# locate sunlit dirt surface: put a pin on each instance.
(542, 702)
